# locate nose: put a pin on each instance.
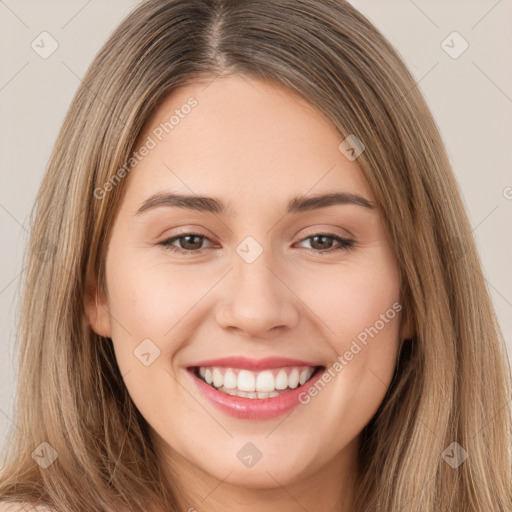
(259, 303)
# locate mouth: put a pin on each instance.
(263, 384)
(257, 390)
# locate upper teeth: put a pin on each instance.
(264, 381)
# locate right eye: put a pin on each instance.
(192, 240)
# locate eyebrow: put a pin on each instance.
(212, 205)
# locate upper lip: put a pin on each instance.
(252, 364)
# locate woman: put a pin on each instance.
(251, 282)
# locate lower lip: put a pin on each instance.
(254, 408)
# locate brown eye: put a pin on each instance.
(323, 242)
(191, 243)
(188, 242)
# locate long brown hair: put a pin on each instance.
(452, 382)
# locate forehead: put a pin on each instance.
(242, 139)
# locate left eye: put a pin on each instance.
(320, 239)
(191, 242)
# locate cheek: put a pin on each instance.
(360, 310)
(149, 299)
(145, 303)
(349, 300)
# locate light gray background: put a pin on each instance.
(470, 96)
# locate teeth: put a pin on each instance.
(281, 380)
(230, 380)
(248, 384)
(246, 381)
(265, 381)
(244, 394)
(304, 376)
(293, 379)
(218, 379)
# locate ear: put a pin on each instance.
(96, 307)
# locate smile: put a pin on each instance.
(250, 389)
(254, 385)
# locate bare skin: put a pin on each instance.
(254, 146)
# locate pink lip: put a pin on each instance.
(266, 363)
(254, 408)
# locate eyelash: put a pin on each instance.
(345, 243)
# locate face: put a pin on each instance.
(290, 309)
